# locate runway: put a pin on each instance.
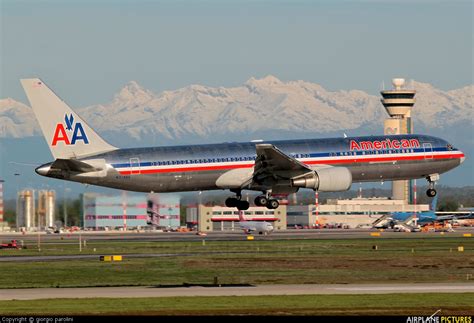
(260, 290)
(238, 235)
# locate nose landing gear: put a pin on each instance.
(431, 192)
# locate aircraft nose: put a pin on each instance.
(43, 170)
(462, 159)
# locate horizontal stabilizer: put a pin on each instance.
(73, 166)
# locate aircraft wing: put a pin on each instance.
(271, 158)
(452, 217)
(272, 166)
(273, 170)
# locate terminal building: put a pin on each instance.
(221, 218)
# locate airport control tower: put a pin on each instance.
(398, 103)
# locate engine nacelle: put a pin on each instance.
(330, 179)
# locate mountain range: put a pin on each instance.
(266, 105)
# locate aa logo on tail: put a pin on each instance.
(64, 134)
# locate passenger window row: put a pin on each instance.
(202, 161)
(372, 152)
(234, 159)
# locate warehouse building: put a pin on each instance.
(128, 211)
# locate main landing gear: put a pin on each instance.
(261, 200)
(266, 200)
(431, 192)
(237, 202)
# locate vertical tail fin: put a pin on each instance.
(67, 135)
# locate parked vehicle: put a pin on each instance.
(12, 245)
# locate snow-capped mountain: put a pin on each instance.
(17, 120)
(439, 109)
(259, 105)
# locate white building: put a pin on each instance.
(221, 218)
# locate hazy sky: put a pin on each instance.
(87, 50)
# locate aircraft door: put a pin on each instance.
(134, 166)
(428, 150)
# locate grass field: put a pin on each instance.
(387, 304)
(248, 262)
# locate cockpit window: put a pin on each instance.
(449, 147)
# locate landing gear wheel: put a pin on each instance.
(431, 192)
(261, 200)
(231, 202)
(273, 204)
(242, 205)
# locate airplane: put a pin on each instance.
(465, 222)
(272, 167)
(422, 217)
(261, 227)
(456, 218)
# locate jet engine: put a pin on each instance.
(330, 179)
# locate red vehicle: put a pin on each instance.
(11, 245)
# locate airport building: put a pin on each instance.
(351, 213)
(128, 211)
(221, 218)
(111, 212)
